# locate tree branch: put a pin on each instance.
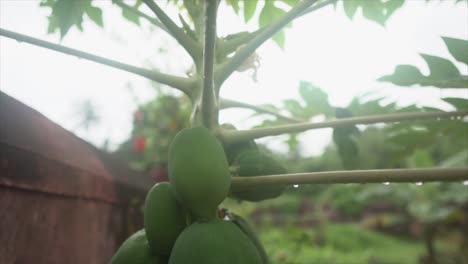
(227, 68)
(187, 43)
(230, 136)
(316, 7)
(209, 107)
(354, 176)
(226, 103)
(180, 83)
(135, 10)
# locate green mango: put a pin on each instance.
(256, 163)
(135, 250)
(198, 171)
(164, 218)
(214, 242)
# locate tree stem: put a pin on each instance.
(184, 40)
(209, 107)
(317, 7)
(356, 176)
(227, 68)
(233, 136)
(179, 83)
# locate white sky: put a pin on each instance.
(343, 57)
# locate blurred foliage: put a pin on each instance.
(66, 14)
(155, 123)
(434, 206)
(443, 73)
(341, 243)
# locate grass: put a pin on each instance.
(337, 244)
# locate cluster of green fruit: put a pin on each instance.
(182, 223)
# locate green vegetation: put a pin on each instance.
(309, 224)
(337, 244)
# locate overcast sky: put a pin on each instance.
(341, 56)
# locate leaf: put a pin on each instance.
(65, 14)
(316, 100)
(440, 68)
(458, 103)
(249, 9)
(350, 7)
(404, 75)
(393, 5)
(443, 74)
(95, 14)
(130, 16)
(290, 2)
(270, 13)
(375, 10)
(458, 48)
(294, 107)
(421, 159)
(234, 4)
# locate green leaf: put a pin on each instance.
(234, 4)
(269, 14)
(65, 14)
(404, 75)
(393, 5)
(458, 103)
(420, 159)
(443, 74)
(290, 2)
(350, 7)
(130, 16)
(95, 14)
(440, 68)
(458, 48)
(316, 100)
(280, 39)
(294, 107)
(375, 10)
(249, 9)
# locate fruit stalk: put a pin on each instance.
(231, 136)
(354, 176)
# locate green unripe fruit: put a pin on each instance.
(198, 171)
(164, 218)
(135, 250)
(250, 233)
(214, 242)
(256, 163)
(234, 150)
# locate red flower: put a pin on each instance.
(139, 144)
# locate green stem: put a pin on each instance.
(227, 68)
(187, 43)
(226, 103)
(233, 136)
(209, 107)
(356, 176)
(179, 83)
(137, 12)
(317, 7)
